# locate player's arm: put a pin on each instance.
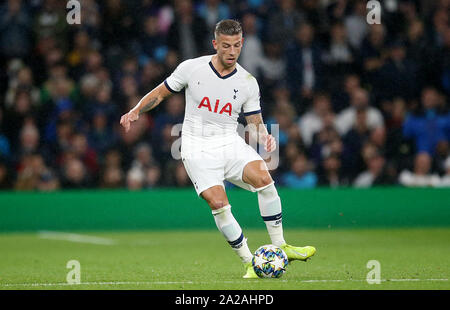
(147, 103)
(259, 132)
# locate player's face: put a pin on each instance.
(228, 49)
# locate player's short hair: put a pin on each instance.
(227, 27)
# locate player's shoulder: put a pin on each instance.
(244, 73)
(193, 63)
(246, 77)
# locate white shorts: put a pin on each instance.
(211, 166)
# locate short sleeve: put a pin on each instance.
(179, 78)
(252, 105)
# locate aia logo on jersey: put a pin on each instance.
(205, 103)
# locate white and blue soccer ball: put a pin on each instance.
(269, 261)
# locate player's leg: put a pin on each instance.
(206, 172)
(217, 200)
(256, 174)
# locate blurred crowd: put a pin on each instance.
(357, 104)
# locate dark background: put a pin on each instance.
(357, 104)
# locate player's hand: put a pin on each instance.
(270, 143)
(127, 118)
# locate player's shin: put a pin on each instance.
(230, 229)
(270, 209)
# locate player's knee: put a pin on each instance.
(216, 204)
(264, 180)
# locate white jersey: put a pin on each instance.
(213, 102)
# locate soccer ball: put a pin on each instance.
(269, 261)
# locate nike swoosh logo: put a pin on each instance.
(302, 255)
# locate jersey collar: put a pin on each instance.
(218, 74)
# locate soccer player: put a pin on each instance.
(217, 88)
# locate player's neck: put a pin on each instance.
(220, 68)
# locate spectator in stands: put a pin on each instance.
(398, 77)
(76, 57)
(152, 74)
(15, 29)
(284, 116)
(336, 11)
(440, 20)
(90, 10)
(48, 181)
(62, 142)
(29, 140)
(421, 175)
(103, 103)
(360, 107)
(213, 11)
(312, 12)
(81, 149)
(284, 21)
(430, 124)
(416, 43)
(64, 111)
(354, 141)
(28, 170)
(129, 89)
(152, 42)
(356, 23)
(152, 177)
(135, 179)
(143, 156)
(16, 116)
(113, 158)
(129, 69)
(291, 151)
(273, 69)
(22, 80)
(121, 25)
(331, 174)
(376, 171)
(33, 174)
(101, 135)
(373, 52)
(339, 54)
(301, 174)
(187, 32)
(111, 177)
(314, 119)
(304, 63)
(252, 52)
(397, 149)
(50, 22)
(89, 85)
(325, 142)
(74, 173)
(341, 96)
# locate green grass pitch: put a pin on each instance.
(409, 259)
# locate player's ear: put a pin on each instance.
(214, 43)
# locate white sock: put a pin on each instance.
(232, 232)
(270, 209)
